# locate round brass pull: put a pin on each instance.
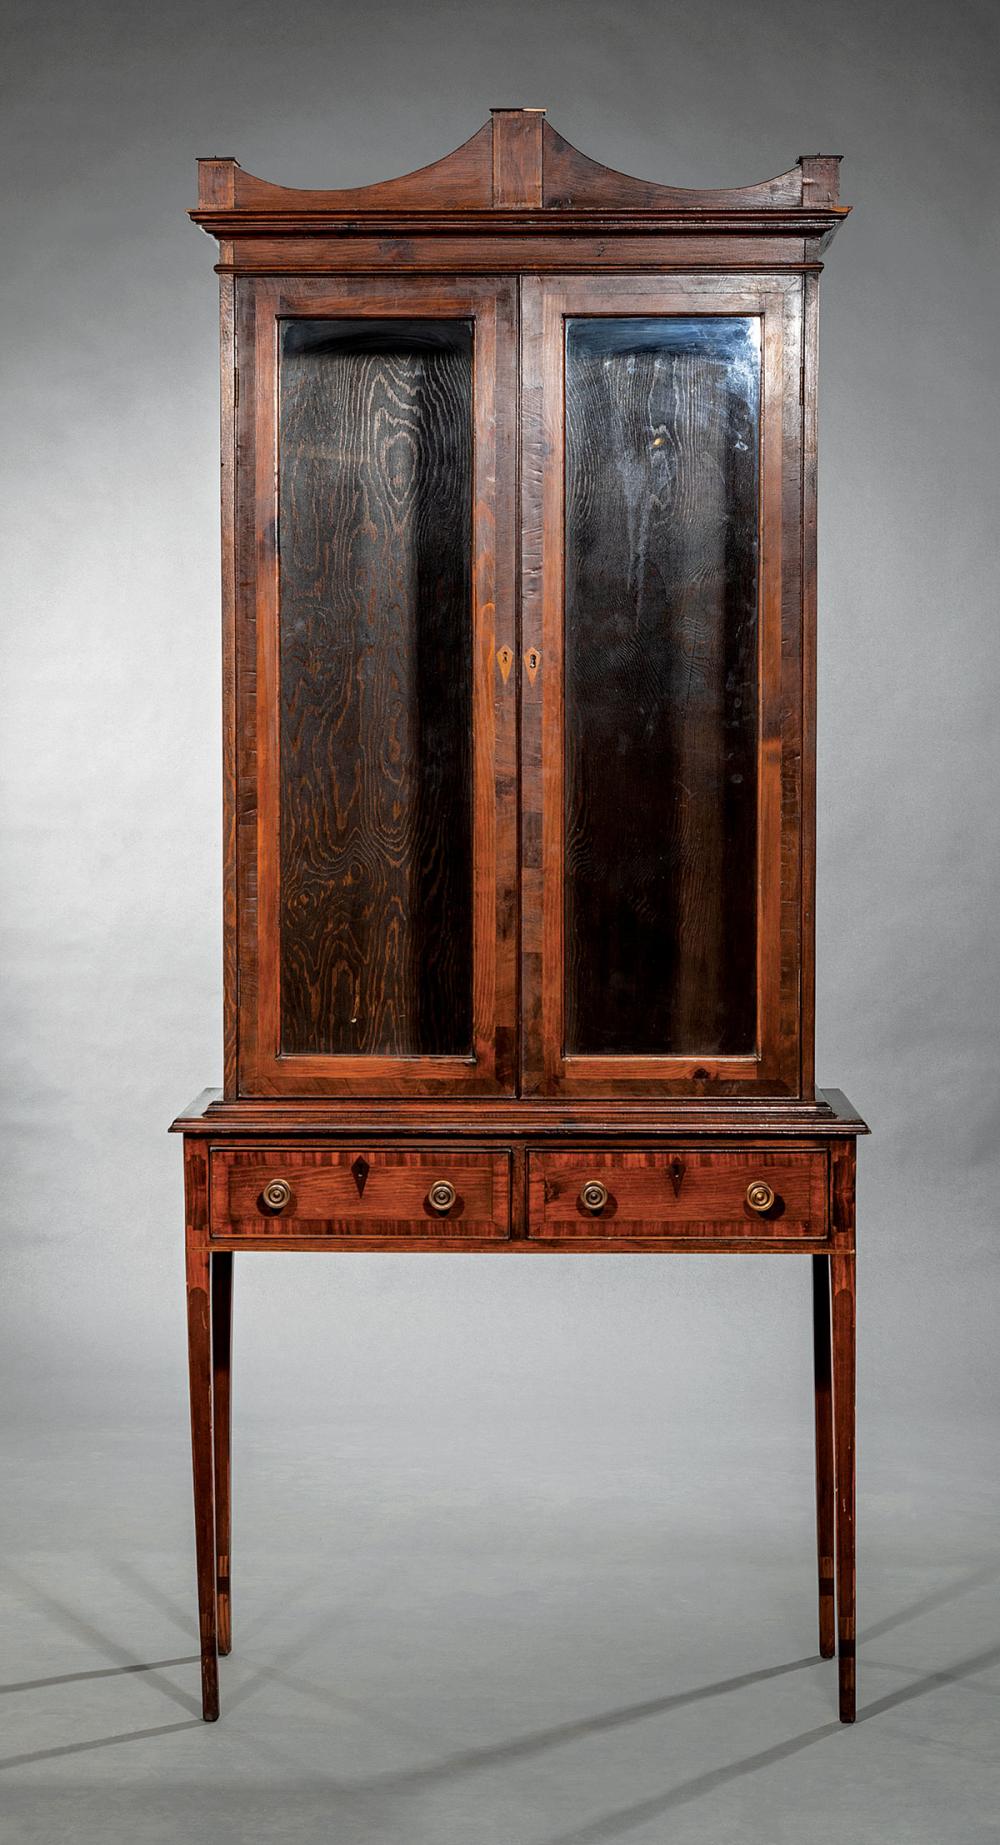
(441, 1196)
(760, 1197)
(277, 1194)
(594, 1195)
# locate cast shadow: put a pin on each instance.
(126, 1661)
(514, 1749)
(937, 1598)
(932, 1681)
(76, 1678)
(99, 1742)
(625, 1819)
(536, 1742)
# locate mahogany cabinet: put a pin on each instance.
(519, 627)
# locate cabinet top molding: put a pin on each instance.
(517, 173)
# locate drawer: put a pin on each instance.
(358, 1192)
(683, 1192)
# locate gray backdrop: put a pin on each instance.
(448, 1377)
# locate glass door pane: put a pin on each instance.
(662, 444)
(375, 496)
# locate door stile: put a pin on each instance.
(535, 465)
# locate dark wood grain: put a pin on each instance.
(326, 1199)
(685, 1192)
(808, 623)
(752, 1120)
(572, 179)
(538, 441)
(230, 553)
(662, 439)
(576, 245)
(375, 520)
(473, 176)
(466, 173)
(517, 156)
(782, 836)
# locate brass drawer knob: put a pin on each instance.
(277, 1194)
(760, 1197)
(441, 1196)
(594, 1195)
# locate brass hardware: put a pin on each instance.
(441, 1196)
(532, 661)
(505, 660)
(594, 1195)
(277, 1194)
(760, 1197)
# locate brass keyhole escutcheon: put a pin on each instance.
(594, 1195)
(441, 1196)
(277, 1194)
(760, 1197)
(505, 660)
(532, 661)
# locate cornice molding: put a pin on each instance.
(518, 174)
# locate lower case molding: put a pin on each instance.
(694, 1245)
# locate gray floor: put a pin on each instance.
(502, 1629)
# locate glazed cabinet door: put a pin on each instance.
(375, 739)
(663, 690)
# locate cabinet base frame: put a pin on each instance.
(209, 1264)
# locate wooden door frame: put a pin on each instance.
(264, 1070)
(774, 1068)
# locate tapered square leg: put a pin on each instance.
(222, 1350)
(199, 1270)
(823, 1397)
(842, 1281)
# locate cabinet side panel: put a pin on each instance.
(246, 980)
(793, 729)
(228, 364)
(810, 380)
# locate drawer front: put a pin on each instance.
(686, 1192)
(270, 1193)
